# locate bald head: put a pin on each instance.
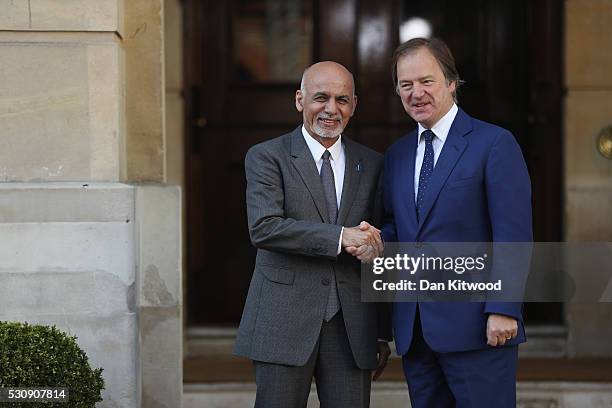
(329, 67)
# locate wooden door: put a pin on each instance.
(244, 61)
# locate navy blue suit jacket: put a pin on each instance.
(479, 192)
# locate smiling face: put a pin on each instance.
(422, 87)
(326, 100)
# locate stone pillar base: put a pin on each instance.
(100, 261)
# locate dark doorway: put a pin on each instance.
(243, 62)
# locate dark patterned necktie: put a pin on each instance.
(426, 171)
(329, 189)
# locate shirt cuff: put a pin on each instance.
(340, 242)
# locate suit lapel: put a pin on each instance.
(353, 169)
(305, 165)
(451, 152)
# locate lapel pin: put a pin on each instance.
(358, 167)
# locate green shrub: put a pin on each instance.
(43, 356)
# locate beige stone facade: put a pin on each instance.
(82, 117)
(144, 85)
(67, 15)
(588, 175)
(62, 106)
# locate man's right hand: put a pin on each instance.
(356, 240)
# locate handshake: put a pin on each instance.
(363, 242)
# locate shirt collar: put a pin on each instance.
(317, 149)
(442, 127)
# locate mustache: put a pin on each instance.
(325, 116)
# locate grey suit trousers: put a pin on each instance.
(340, 383)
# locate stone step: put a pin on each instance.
(395, 395)
(230, 369)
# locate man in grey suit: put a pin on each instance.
(311, 196)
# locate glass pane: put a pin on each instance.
(271, 40)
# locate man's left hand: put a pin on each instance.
(383, 356)
(500, 329)
(365, 253)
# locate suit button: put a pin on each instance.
(418, 245)
(325, 281)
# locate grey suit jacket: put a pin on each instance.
(297, 253)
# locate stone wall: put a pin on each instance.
(61, 106)
(175, 127)
(82, 115)
(145, 82)
(588, 175)
(68, 259)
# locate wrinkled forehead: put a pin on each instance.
(330, 86)
(329, 79)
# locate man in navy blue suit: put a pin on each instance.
(453, 179)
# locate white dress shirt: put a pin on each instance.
(440, 130)
(337, 160)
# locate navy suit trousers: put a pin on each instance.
(476, 379)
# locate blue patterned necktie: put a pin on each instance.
(426, 171)
(329, 190)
